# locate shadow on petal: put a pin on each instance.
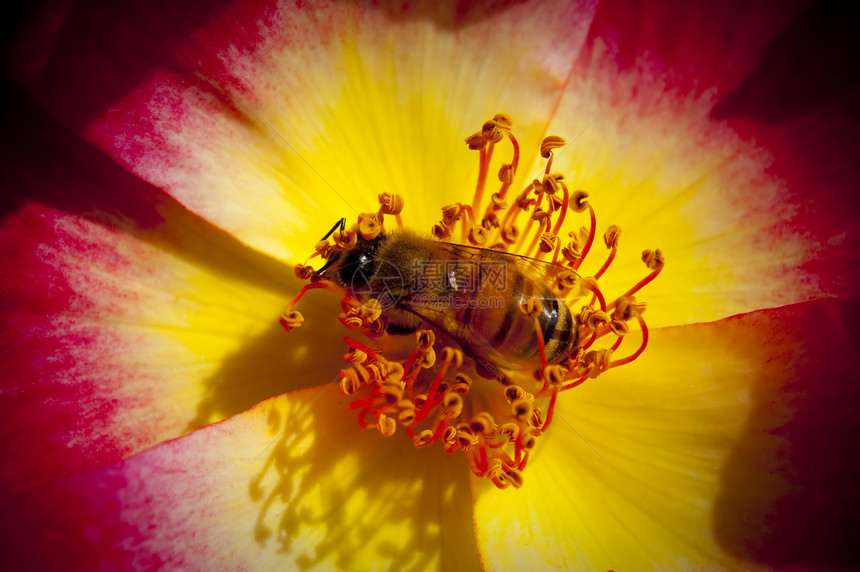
(331, 492)
(293, 483)
(789, 493)
(55, 168)
(276, 362)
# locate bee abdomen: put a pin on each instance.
(509, 337)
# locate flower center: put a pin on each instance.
(499, 320)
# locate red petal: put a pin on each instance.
(126, 320)
(290, 484)
(726, 443)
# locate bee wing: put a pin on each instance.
(532, 267)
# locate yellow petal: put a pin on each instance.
(736, 234)
(335, 104)
(293, 483)
(681, 460)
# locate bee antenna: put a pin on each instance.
(341, 223)
(328, 263)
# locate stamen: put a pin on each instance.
(437, 399)
(391, 204)
(610, 239)
(590, 240)
(653, 260)
(641, 348)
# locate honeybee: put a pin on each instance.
(472, 295)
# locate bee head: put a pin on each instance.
(355, 267)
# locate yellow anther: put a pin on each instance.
(539, 215)
(522, 409)
(477, 235)
(529, 440)
(369, 225)
(503, 120)
(531, 307)
(386, 425)
(578, 201)
(653, 259)
(510, 234)
(441, 231)
(452, 356)
(506, 174)
(497, 476)
(350, 382)
(406, 416)
(618, 327)
(452, 404)
(549, 143)
(394, 373)
(611, 236)
(514, 393)
(498, 202)
(291, 319)
(585, 313)
(572, 252)
(597, 319)
(303, 272)
(451, 212)
(536, 420)
(627, 308)
(509, 431)
(390, 203)
(423, 439)
(493, 130)
(449, 435)
(476, 141)
(466, 438)
(377, 372)
(426, 359)
(566, 281)
(345, 240)
(547, 242)
(351, 321)
(525, 201)
(550, 185)
(375, 328)
(355, 355)
(490, 221)
(391, 393)
(323, 248)
(482, 423)
(514, 477)
(594, 363)
(553, 374)
(425, 339)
